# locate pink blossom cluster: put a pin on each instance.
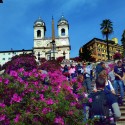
(25, 97)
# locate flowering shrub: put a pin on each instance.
(25, 100)
(50, 65)
(59, 59)
(27, 61)
(42, 60)
(117, 55)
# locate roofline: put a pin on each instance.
(93, 40)
(23, 50)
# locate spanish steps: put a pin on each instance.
(121, 121)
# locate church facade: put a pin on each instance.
(52, 47)
(49, 48)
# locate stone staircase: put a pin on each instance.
(121, 121)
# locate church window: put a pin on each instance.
(38, 33)
(38, 53)
(63, 32)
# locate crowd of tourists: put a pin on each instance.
(108, 81)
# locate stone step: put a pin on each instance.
(122, 118)
(122, 108)
(120, 123)
(123, 112)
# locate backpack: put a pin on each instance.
(99, 105)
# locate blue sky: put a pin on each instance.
(84, 16)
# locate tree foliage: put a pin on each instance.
(85, 54)
(117, 55)
(123, 42)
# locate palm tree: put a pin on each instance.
(123, 42)
(107, 29)
(1, 1)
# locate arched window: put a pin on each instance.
(62, 32)
(38, 33)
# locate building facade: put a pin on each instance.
(52, 47)
(98, 48)
(6, 56)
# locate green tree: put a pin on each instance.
(123, 42)
(85, 54)
(107, 29)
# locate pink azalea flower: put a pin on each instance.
(16, 120)
(30, 90)
(41, 97)
(73, 103)
(59, 120)
(2, 105)
(70, 113)
(35, 83)
(2, 117)
(16, 98)
(19, 79)
(34, 70)
(43, 76)
(6, 81)
(13, 73)
(25, 73)
(30, 73)
(21, 70)
(0, 79)
(45, 110)
(36, 75)
(49, 102)
(74, 80)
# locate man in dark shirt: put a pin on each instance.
(119, 74)
(110, 99)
